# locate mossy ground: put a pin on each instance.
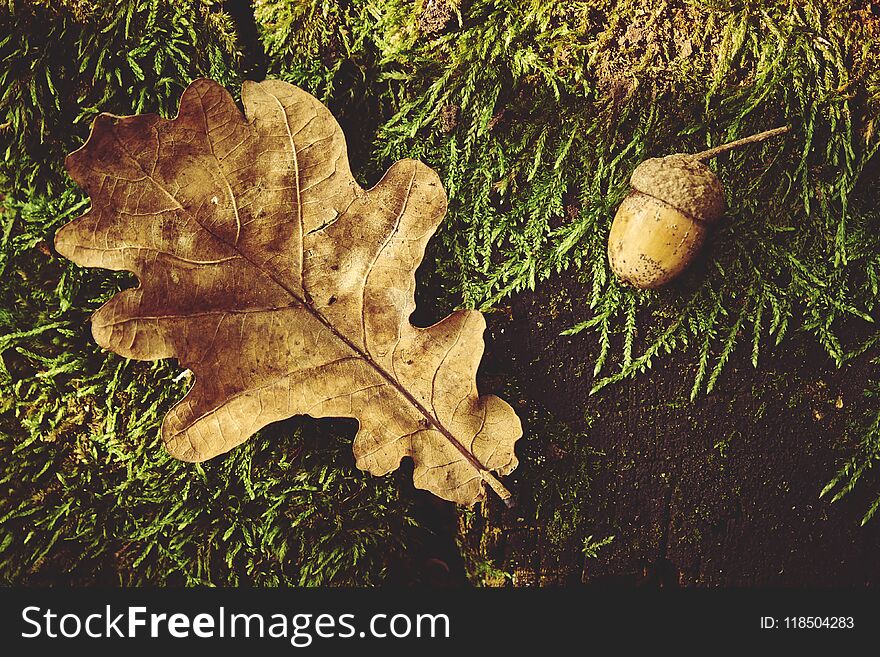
(534, 114)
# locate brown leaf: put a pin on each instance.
(283, 285)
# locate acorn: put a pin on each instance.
(662, 223)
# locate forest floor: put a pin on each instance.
(720, 491)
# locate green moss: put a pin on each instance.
(64, 61)
(865, 456)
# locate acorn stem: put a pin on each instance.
(708, 154)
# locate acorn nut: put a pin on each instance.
(663, 221)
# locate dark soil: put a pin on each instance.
(722, 491)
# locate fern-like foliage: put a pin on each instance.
(558, 102)
(866, 456)
(66, 60)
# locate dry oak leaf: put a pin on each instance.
(283, 285)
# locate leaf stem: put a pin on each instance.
(496, 485)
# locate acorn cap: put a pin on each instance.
(683, 182)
